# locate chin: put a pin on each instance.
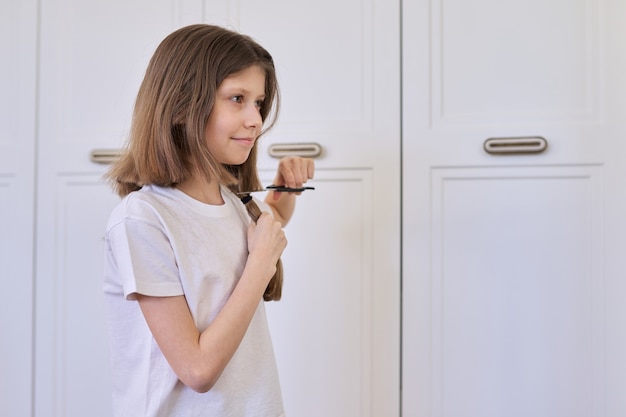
(238, 161)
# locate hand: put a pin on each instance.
(266, 241)
(293, 172)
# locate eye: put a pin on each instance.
(237, 99)
(259, 103)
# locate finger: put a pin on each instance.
(287, 171)
(294, 171)
(310, 169)
(304, 171)
(305, 168)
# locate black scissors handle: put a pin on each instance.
(284, 189)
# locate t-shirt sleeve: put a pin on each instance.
(145, 260)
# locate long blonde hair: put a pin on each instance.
(167, 136)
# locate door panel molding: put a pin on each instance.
(70, 318)
(343, 51)
(518, 291)
(531, 69)
(325, 307)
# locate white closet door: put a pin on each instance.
(513, 263)
(18, 48)
(336, 332)
(93, 57)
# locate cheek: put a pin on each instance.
(212, 131)
(218, 125)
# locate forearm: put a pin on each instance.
(282, 207)
(199, 358)
(222, 338)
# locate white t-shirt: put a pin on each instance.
(161, 242)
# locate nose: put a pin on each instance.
(253, 117)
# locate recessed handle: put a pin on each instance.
(305, 150)
(105, 156)
(277, 150)
(515, 145)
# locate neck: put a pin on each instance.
(198, 188)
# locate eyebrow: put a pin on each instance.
(230, 90)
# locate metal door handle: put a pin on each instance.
(515, 145)
(306, 150)
(105, 156)
(277, 150)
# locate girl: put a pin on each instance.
(186, 269)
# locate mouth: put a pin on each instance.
(248, 141)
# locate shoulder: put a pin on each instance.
(149, 205)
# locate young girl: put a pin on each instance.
(186, 269)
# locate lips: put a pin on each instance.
(244, 141)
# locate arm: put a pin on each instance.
(292, 172)
(198, 358)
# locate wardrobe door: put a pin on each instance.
(514, 185)
(336, 330)
(92, 59)
(18, 47)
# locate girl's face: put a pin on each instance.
(235, 121)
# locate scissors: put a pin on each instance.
(279, 188)
(246, 197)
